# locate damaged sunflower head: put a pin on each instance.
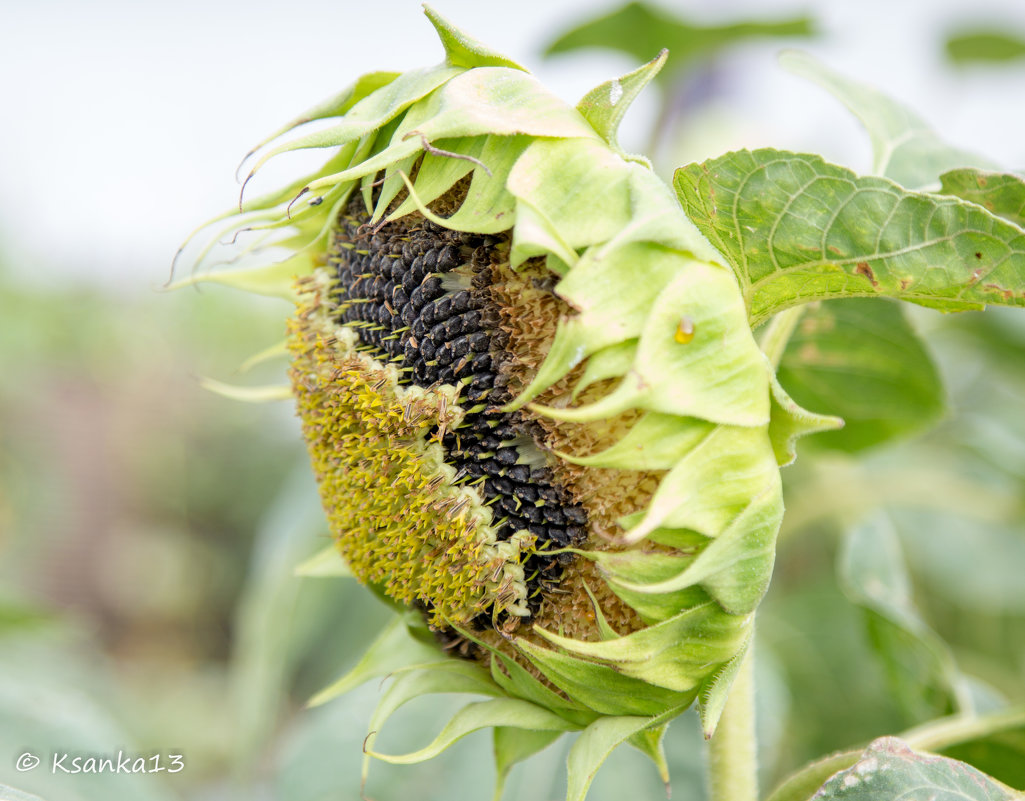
(532, 400)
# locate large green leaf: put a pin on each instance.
(861, 360)
(796, 228)
(905, 149)
(994, 743)
(1001, 192)
(890, 769)
(996, 740)
(919, 666)
(642, 30)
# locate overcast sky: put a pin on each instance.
(121, 122)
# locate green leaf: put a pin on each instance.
(515, 745)
(905, 149)
(264, 394)
(735, 567)
(603, 688)
(462, 50)
(996, 741)
(605, 105)
(640, 29)
(675, 654)
(717, 375)
(861, 360)
(594, 745)
(395, 648)
(986, 46)
(275, 280)
(890, 769)
(919, 666)
(993, 743)
(716, 689)
(788, 422)
(482, 715)
(325, 563)
(796, 229)
(1000, 192)
(650, 742)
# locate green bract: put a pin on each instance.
(651, 409)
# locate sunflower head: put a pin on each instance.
(531, 397)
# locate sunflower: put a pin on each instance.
(538, 418)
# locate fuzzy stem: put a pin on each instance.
(733, 749)
(778, 333)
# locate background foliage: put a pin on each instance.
(150, 530)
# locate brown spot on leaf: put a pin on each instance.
(865, 270)
(978, 254)
(1006, 294)
(905, 283)
(982, 180)
(834, 249)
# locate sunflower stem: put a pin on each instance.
(733, 749)
(778, 332)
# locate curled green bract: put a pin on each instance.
(655, 333)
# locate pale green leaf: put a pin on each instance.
(735, 567)
(605, 105)
(395, 648)
(275, 351)
(919, 666)
(797, 229)
(325, 563)
(276, 280)
(861, 360)
(650, 742)
(788, 422)
(514, 745)
(482, 715)
(417, 681)
(370, 113)
(611, 362)
(655, 442)
(335, 106)
(714, 693)
(890, 769)
(247, 394)
(674, 654)
(634, 565)
(605, 689)
(462, 50)
(712, 484)
(519, 682)
(1002, 193)
(593, 746)
(905, 149)
(718, 375)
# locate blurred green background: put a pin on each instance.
(149, 529)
